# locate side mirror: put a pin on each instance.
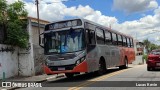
(41, 40)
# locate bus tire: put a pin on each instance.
(102, 67)
(69, 75)
(125, 64)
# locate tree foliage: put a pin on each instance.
(12, 19)
(150, 46)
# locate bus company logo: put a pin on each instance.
(6, 84)
(61, 58)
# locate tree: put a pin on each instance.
(12, 19)
(150, 46)
(147, 44)
(153, 46)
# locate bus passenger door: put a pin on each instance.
(91, 50)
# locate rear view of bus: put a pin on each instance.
(79, 46)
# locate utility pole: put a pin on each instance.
(37, 2)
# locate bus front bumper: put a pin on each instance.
(82, 67)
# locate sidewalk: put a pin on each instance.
(37, 79)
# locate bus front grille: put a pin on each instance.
(66, 67)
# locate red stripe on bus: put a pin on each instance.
(82, 67)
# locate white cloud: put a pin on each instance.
(132, 6)
(142, 28)
(80, 11)
(50, 12)
(11, 1)
(57, 11)
(137, 28)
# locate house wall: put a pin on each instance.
(8, 62)
(38, 52)
(26, 57)
(15, 61)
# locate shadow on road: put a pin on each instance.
(155, 70)
(84, 77)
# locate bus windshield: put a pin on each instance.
(71, 40)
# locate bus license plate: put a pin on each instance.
(158, 64)
(61, 68)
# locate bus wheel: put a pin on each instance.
(102, 68)
(125, 65)
(69, 75)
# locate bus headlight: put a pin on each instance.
(80, 60)
(46, 63)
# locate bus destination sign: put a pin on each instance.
(64, 24)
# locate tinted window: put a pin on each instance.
(108, 38)
(91, 36)
(124, 41)
(114, 39)
(90, 26)
(131, 41)
(128, 42)
(100, 36)
(155, 52)
(119, 40)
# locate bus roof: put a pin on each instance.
(104, 27)
(96, 24)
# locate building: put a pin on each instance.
(23, 62)
(139, 48)
(38, 52)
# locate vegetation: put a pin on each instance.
(14, 26)
(150, 46)
(145, 57)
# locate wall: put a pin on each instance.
(8, 62)
(26, 60)
(38, 51)
(139, 60)
(23, 62)
(17, 61)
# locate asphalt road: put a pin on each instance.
(134, 78)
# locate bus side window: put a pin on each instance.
(100, 36)
(114, 39)
(119, 40)
(131, 41)
(124, 41)
(108, 38)
(128, 42)
(91, 37)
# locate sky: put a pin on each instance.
(137, 18)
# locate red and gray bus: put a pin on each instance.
(80, 46)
